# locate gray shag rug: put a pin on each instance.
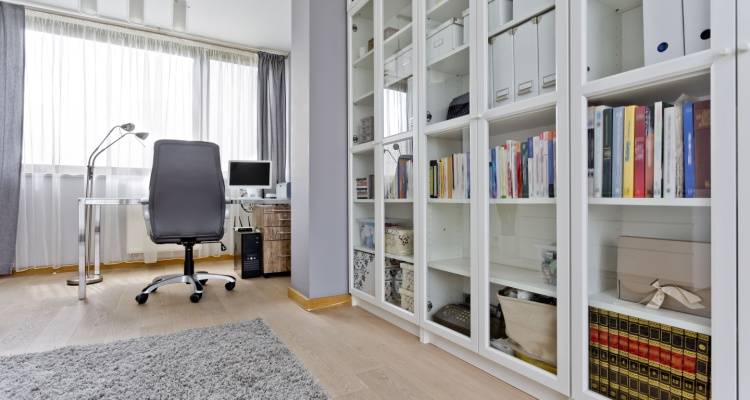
(235, 361)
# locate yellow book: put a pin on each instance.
(628, 149)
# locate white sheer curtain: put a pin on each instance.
(83, 78)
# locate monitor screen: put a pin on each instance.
(250, 173)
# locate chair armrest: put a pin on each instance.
(147, 219)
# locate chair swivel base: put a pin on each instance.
(198, 280)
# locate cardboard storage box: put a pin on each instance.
(641, 261)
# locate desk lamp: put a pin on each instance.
(125, 130)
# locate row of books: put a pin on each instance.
(524, 169)
(398, 186)
(450, 177)
(632, 358)
(365, 187)
(660, 150)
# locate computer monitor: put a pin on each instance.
(250, 174)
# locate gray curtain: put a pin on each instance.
(12, 25)
(272, 113)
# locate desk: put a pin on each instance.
(96, 204)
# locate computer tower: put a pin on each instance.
(248, 253)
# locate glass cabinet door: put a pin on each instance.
(398, 182)
(398, 68)
(362, 75)
(447, 56)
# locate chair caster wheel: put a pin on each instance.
(196, 297)
(203, 281)
(229, 286)
(141, 298)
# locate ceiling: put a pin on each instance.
(254, 23)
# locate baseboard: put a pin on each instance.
(120, 265)
(319, 302)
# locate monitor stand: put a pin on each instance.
(244, 194)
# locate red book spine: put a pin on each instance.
(639, 169)
(649, 151)
(519, 171)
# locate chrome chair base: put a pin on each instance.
(198, 280)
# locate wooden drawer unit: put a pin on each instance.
(274, 222)
(276, 233)
(277, 256)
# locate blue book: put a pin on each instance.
(688, 147)
(618, 122)
(493, 175)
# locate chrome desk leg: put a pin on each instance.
(81, 248)
(97, 239)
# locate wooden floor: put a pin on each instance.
(352, 353)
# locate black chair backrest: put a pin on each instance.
(186, 193)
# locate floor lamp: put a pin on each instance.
(124, 130)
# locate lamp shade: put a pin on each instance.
(141, 135)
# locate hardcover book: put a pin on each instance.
(628, 152)
(670, 162)
(618, 121)
(639, 164)
(678, 152)
(590, 137)
(702, 134)
(688, 143)
(658, 147)
(649, 152)
(598, 149)
(607, 154)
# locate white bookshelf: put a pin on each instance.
(479, 245)
(601, 78)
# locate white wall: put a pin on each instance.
(318, 131)
(254, 23)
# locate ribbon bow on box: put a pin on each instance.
(689, 300)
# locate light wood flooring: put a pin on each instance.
(354, 354)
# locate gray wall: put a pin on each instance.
(318, 132)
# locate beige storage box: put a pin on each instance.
(399, 241)
(407, 276)
(407, 299)
(532, 326)
(687, 265)
(444, 39)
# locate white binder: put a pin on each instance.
(662, 30)
(502, 69)
(697, 16)
(526, 60)
(546, 40)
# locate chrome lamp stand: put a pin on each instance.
(92, 221)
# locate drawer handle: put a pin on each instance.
(502, 94)
(525, 87)
(285, 255)
(284, 233)
(285, 219)
(549, 81)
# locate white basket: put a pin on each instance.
(407, 276)
(533, 326)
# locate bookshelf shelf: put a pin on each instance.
(363, 147)
(528, 111)
(393, 43)
(364, 249)
(452, 128)
(501, 274)
(666, 79)
(365, 201)
(457, 266)
(366, 61)
(608, 300)
(680, 202)
(398, 137)
(456, 62)
(366, 99)
(519, 20)
(406, 259)
(397, 201)
(523, 201)
(449, 201)
(445, 9)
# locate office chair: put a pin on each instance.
(186, 206)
